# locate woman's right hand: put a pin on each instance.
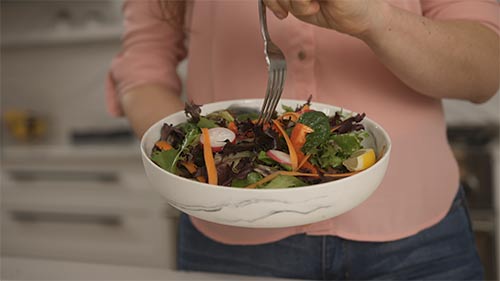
(353, 17)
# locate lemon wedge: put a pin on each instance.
(360, 160)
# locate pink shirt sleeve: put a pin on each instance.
(486, 12)
(151, 51)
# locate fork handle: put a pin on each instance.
(263, 21)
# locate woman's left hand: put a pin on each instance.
(353, 17)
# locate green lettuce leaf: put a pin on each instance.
(287, 108)
(246, 116)
(327, 157)
(206, 123)
(186, 127)
(221, 114)
(282, 181)
(347, 143)
(168, 159)
(336, 150)
(262, 156)
(165, 158)
(251, 178)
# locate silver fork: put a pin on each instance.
(276, 68)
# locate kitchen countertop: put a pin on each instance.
(42, 269)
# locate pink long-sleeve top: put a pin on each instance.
(226, 62)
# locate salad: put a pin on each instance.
(299, 147)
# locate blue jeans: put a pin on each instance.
(445, 251)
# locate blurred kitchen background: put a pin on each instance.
(72, 183)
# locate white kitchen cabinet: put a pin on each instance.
(90, 204)
(87, 203)
(55, 22)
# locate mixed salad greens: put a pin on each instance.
(299, 147)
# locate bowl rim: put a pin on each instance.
(379, 162)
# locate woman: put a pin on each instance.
(394, 60)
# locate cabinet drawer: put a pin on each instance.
(84, 205)
(74, 189)
(105, 237)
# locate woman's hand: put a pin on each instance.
(415, 48)
(148, 103)
(353, 17)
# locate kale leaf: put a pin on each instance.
(319, 122)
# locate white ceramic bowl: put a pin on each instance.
(266, 208)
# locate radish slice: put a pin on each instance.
(218, 137)
(279, 156)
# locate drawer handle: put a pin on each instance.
(61, 175)
(34, 217)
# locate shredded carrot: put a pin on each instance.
(343, 175)
(298, 138)
(291, 149)
(190, 166)
(163, 145)
(303, 161)
(292, 116)
(275, 174)
(296, 174)
(264, 180)
(309, 166)
(299, 134)
(232, 126)
(209, 158)
(305, 108)
(335, 128)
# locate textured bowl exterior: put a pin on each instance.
(265, 208)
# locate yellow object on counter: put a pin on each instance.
(23, 125)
